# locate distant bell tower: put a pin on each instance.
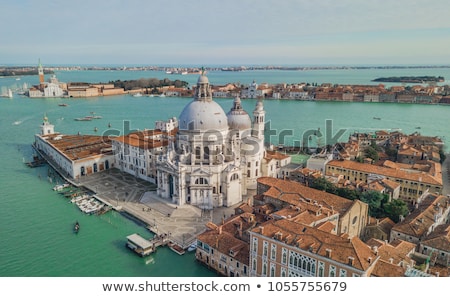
(41, 72)
(258, 120)
(46, 127)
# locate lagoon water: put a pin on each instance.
(36, 223)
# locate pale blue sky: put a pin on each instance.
(236, 32)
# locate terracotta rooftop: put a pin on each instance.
(390, 172)
(396, 251)
(390, 183)
(439, 238)
(76, 147)
(292, 192)
(322, 243)
(225, 243)
(385, 224)
(420, 220)
(385, 269)
(143, 139)
(275, 155)
(305, 213)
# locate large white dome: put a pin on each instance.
(203, 115)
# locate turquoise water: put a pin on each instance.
(36, 223)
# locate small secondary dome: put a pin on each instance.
(203, 79)
(238, 118)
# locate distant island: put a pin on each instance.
(14, 71)
(410, 79)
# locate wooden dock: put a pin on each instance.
(144, 247)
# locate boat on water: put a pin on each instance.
(62, 104)
(61, 187)
(176, 248)
(84, 119)
(192, 247)
(7, 94)
(76, 227)
(376, 118)
(137, 95)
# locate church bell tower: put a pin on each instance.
(40, 72)
(258, 120)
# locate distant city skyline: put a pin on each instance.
(245, 32)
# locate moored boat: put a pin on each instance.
(176, 248)
(192, 247)
(61, 187)
(76, 227)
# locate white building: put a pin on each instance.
(52, 88)
(74, 155)
(251, 91)
(214, 157)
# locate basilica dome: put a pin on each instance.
(203, 113)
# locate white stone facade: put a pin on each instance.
(214, 157)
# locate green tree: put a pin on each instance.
(395, 209)
(323, 185)
(372, 153)
(375, 200)
(348, 193)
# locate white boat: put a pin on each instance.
(60, 187)
(6, 93)
(79, 198)
(192, 247)
(137, 95)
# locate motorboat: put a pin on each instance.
(60, 187)
(192, 247)
(76, 227)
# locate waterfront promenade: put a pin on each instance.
(137, 200)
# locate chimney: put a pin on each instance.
(240, 229)
(328, 253)
(391, 260)
(351, 260)
(261, 229)
(279, 236)
(220, 229)
(375, 250)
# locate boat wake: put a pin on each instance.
(16, 123)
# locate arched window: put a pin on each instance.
(234, 176)
(272, 271)
(201, 181)
(197, 152)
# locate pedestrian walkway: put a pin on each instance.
(138, 198)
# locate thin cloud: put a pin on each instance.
(216, 31)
